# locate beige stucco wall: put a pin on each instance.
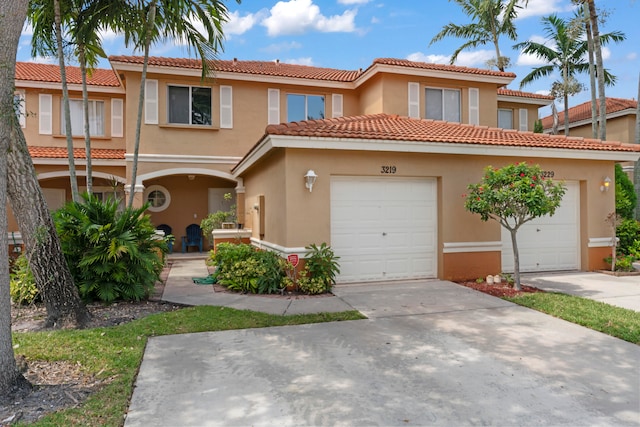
(620, 129)
(296, 217)
(532, 113)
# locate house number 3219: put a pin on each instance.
(388, 169)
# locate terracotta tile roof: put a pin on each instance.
(441, 67)
(78, 153)
(396, 128)
(266, 68)
(509, 92)
(32, 71)
(279, 69)
(583, 111)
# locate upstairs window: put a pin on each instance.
(505, 118)
(305, 107)
(443, 104)
(190, 105)
(96, 118)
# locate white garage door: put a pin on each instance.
(549, 243)
(384, 228)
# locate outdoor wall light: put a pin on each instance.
(606, 183)
(256, 207)
(310, 179)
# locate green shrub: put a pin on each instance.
(629, 234)
(320, 270)
(626, 197)
(214, 220)
(22, 285)
(112, 255)
(242, 268)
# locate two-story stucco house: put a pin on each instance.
(373, 162)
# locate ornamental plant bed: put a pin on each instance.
(500, 290)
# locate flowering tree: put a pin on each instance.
(513, 195)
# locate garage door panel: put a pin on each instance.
(548, 243)
(383, 228)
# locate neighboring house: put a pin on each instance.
(394, 147)
(621, 122)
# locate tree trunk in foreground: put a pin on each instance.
(599, 69)
(42, 245)
(516, 260)
(12, 16)
(636, 169)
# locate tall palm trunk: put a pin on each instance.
(65, 102)
(565, 78)
(593, 18)
(151, 16)
(12, 17)
(46, 259)
(85, 106)
(592, 73)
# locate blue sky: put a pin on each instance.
(350, 34)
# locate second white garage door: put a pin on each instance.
(548, 243)
(384, 228)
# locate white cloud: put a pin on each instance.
(44, 60)
(375, 20)
(541, 8)
(299, 16)
(606, 52)
(299, 61)
(281, 47)
(631, 56)
(475, 58)
(422, 57)
(237, 24)
(544, 92)
(27, 30)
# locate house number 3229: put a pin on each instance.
(388, 169)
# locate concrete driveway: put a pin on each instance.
(431, 353)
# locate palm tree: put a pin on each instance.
(597, 47)
(492, 19)
(145, 22)
(81, 20)
(564, 56)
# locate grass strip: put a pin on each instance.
(114, 354)
(615, 321)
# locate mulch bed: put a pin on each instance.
(502, 289)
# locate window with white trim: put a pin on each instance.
(442, 104)
(505, 118)
(190, 105)
(96, 118)
(158, 198)
(304, 107)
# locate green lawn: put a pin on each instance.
(615, 321)
(115, 353)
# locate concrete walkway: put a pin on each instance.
(431, 353)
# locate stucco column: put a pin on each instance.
(240, 204)
(138, 199)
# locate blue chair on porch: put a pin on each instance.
(166, 229)
(193, 238)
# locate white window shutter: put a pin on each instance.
(336, 105)
(151, 102)
(45, 114)
(474, 106)
(117, 118)
(524, 119)
(226, 107)
(274, 106)
(22, 109)
(414, 100)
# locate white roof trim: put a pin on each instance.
(284, 141)
(72, 87)
(524, 100)
(177, 158)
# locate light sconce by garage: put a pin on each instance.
(606, 183)
(310, 179)
(256, 207)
